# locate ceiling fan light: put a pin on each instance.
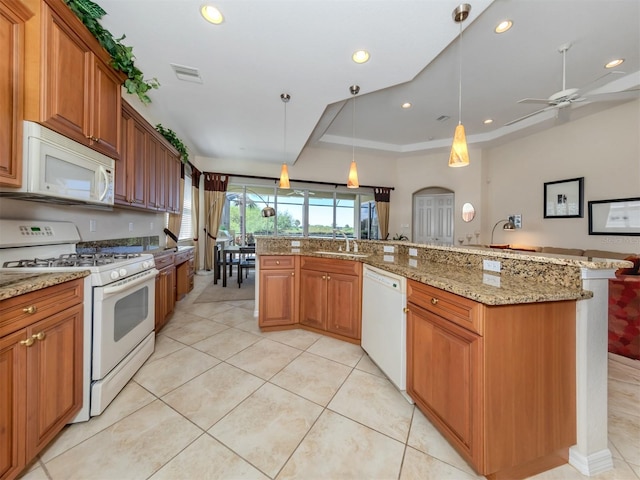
(284, 177)
(459, 156)
(352, 181)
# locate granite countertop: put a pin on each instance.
(14, 284)
(466, 281)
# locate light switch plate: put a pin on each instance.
(413, 262)
(389, 249)
(490, 279)
(413, 252)
(295, 243)
(295, 250)
(388, 258)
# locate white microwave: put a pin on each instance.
(59, 170)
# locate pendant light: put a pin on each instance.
(284, 172)
(352, 180)
(459, 156)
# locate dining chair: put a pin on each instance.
(246, 261)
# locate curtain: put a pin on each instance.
(175, 219)
(215, 188)
(195, 212)
(382, 196)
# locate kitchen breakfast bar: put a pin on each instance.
(494, 315)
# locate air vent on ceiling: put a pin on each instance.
(187, 74)
(442, 118)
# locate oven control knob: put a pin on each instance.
(114, 275)
(146, 264)
(122, 272)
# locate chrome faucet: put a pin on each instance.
(345, 237)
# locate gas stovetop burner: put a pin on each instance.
(72, 260)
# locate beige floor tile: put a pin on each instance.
(338, 351)
(163, 347)
(234, 316)
(420, 466)
(226, 343)
(134, 447)
(131, 398)
(625, 369)
(208, 310)
(624, 433)
(244, 304)
(165, 374)
(250, 326)
(636, 469)
(210, 396)
(624, 397)
(195, 330)
(207, 459)
(339, 448)
(366, 365)
(297, 338)
(427, 439)
(312, 377)
(267, 427)
(264, 358)
(36, 473)
(374, 402)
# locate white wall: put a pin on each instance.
(603, 148)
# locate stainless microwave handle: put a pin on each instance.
(103, 172)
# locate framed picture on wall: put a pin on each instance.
(564, 198)
(615, 217)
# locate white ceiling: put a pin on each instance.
(304, 47)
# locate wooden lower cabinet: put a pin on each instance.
(331, 296)
(165, 289)
(497, 381)
(278, 297)
(185, 269)
(41, 343)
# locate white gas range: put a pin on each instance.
(119, 303)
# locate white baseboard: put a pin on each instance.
(593, 464)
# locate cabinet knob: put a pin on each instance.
(277, 262)
(328, 277)
(293, 274)
(434, 301)
(30, 309)
(28, 342)
(405, 310)
(324, 277)
(39, 336)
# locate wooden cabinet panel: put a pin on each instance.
(70, 84)
(277, 297)
(41, 382)
(313, 299)
(165, 289)
(13, 15)
(343, 304)
(184, 263)
(138, 164)
(173, 165)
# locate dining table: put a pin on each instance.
(228, 252)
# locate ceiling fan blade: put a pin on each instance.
(534, 100)
(529, 115)
(589, 85)
(615, 96)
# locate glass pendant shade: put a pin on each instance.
(352, 181)
(284, 177)
(459, 156)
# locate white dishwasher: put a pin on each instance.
(384, 326)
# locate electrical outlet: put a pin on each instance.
(388, 249)
(413, 252)
(295, 243)
(489, 279)
(93, 225)
(131, 226)
(491, 265)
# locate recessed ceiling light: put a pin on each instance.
(503, 26)
(614, 63)
(406, 105)
(488, 121)
(212, 14)
(361, 56)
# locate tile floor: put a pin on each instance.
(221, 400)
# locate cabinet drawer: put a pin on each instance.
(183, 257)
(270, 262)
(23, 310)
(163, 261)
(457, 309)
(331, 265)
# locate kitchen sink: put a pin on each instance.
(343, 254)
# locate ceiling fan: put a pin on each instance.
(565, 97)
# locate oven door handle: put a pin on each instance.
(127, 285)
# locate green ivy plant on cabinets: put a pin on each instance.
(121, 55)
(173, 139)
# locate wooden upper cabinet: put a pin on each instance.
(13, 15)
(70, 85)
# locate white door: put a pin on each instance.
(433, 219)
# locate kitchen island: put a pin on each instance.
(524, 278)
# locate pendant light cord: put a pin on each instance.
(460, 77)
(284, 141)
(353, 130)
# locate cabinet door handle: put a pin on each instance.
(30, 309)
(434, 301)
(39, 336)
(28, 342)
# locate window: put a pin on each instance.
(185, 226)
